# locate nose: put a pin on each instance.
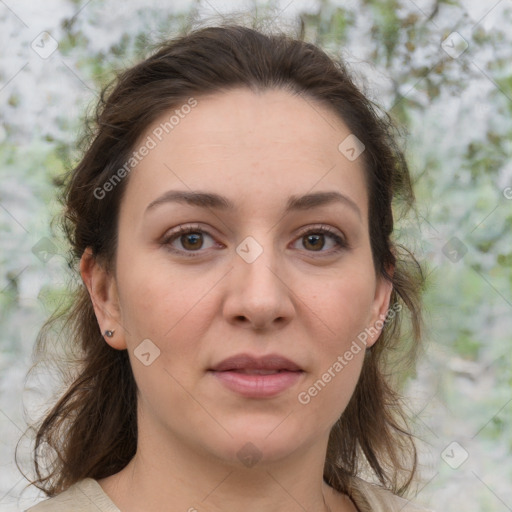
(259, 296)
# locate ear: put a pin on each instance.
(102, 289)
(380, 308)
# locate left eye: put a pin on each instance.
(315, 239)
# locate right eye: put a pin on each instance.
(191, 239)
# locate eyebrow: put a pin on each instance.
(216, 201)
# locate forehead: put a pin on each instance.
(271, 143)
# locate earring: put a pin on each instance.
(109, 333)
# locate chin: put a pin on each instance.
(264, 442)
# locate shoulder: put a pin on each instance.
(379, 499)
(84, 496)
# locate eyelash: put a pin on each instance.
(341, 243)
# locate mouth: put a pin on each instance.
(257, 377)
(254, 371)
(248, 363)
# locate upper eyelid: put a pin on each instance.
(321, 227)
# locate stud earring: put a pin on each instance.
(109, 333)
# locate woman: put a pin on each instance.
(231, 220)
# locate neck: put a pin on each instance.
(174, 477)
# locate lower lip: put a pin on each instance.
(258, 386)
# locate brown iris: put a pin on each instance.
(315, 241)
(195, 239)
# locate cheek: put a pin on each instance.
(158, 299)
(174, 309)
(173, 313)
(327, 394)
(345, 306)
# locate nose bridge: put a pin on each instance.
(258, 263)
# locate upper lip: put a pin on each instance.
(248, 362)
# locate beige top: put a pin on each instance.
(88, 496)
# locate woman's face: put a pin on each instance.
(256, 278)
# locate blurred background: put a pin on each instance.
(444, 71)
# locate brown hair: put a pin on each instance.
(92, 429)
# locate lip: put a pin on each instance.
(248, 362)
(245, 374)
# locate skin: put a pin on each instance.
(307, 304)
